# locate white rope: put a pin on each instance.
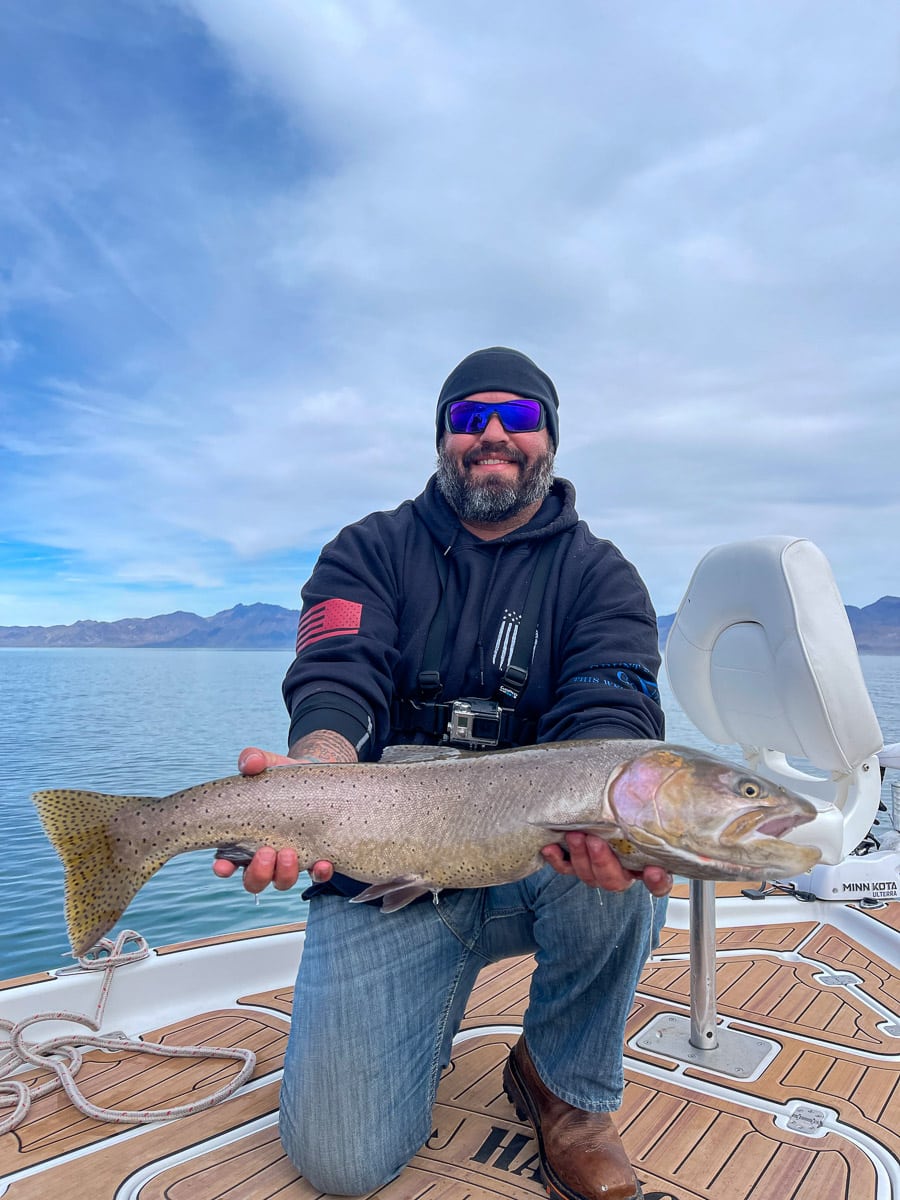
(64, 1055)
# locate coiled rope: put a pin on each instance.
(64, 1055)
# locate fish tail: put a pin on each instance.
(99, 884)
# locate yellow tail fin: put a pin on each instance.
(100, 883)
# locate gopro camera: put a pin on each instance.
(474, 722)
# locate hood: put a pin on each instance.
(555, 514)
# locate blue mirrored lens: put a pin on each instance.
(516, 416)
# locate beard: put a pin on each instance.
(493, 499)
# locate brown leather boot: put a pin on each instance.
(581, 1155)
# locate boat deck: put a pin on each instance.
(817, 1120)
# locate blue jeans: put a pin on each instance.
(379, 997)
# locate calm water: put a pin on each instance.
(150, 722)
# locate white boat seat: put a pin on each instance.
(761, 654)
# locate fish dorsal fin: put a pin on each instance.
(393, 755)
(395, 893)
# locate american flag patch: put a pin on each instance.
(328, 619)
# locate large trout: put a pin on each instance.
(409, 827)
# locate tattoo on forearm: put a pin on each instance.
(324, 744)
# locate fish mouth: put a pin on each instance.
(777, 826)
(761, 821)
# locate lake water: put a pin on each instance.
(150, 722)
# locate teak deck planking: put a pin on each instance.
(692, 1134)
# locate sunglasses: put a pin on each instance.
(516, 416)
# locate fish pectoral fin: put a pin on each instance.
(395, 893)
(603, 829)
(622, 846)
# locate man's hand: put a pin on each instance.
(593, 861)
(281, 868)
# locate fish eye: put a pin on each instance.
(749, 789)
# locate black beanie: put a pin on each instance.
(499, 369)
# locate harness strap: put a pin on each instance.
(515, 676)
(425, 714)
(432, 718)
(429, 678)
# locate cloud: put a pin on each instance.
(247, 242)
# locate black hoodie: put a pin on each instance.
(370, 601)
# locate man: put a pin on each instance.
(405, 613)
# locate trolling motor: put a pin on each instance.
(870, 874)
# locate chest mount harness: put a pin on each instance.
(475, 722)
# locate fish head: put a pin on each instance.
(709, 816)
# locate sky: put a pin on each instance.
(243, 242)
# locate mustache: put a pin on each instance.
(494, 450)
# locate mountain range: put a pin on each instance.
(244, 627)
(876, 628)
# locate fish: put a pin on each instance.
(412, 826)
